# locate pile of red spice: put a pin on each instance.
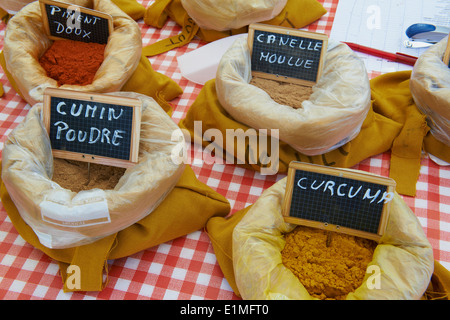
(72, 62)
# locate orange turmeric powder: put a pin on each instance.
(327, 272)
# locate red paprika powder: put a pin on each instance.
(72, 62)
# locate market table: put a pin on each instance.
(186, 267)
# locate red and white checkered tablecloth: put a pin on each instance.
(186, 268)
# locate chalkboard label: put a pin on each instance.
(340, 200)
(286, 54)
(91, 127)
(72, 22)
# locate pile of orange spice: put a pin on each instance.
(72, 62)
(327, 272)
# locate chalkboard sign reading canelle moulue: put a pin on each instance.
(89, 127)
(341, 200)
(71, 22)
(286, 54)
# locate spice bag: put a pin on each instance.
(26, 41)
(52, 211)
(332, 115)
(430, 88)
(216, 15)
(13, 6)
(403, 254)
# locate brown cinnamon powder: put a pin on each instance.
(327, 272)
(75, 176)
(285, 93)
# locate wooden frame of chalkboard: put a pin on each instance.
(447, 53)
(94, 26)
(292, 55)
(319, 196)
(93, 127)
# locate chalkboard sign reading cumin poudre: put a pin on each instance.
(89, 127)
(340, 200)
(286, 54)
(71, 22)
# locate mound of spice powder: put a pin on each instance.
(72, 62)
(327, 272)
(75, 175)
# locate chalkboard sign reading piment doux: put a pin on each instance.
(91, 127)
(339, 200)
(286, 54)
(71, 22)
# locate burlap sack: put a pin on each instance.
(27, 168)
(332, 115)
(404, 255)
(225, 15)
(430, 88)
(26, 41)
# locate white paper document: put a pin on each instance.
(381, 24)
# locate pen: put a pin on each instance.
(397, 57)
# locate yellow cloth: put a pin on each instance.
(296, 14)
(393, 124)
(186, 209)
(220, 231)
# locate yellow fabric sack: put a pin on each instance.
(186, 209)
(376, 136)
(49, 208)
(258, 239)
(295, 14)
(220, 231)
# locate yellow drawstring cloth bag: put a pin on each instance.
(295, 14)
(186, 209)
(393, 123)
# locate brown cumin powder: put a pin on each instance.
(289, 94)
(74, 175)
(327, 273)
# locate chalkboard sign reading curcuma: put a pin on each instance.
(71, 22)
(286, 54)
(341, 200)
(92, 127)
